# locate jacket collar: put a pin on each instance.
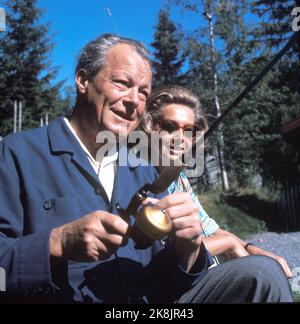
(63, 141)
(61, 138)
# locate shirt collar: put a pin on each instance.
(63, 140)
(110, 157)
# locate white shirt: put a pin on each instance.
(105, 170)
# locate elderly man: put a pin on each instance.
(61, 235)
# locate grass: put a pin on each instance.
(231, 217)
(258, 204)
(296, 297)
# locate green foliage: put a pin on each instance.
(254, 145)
(26, 71)
(277, 27)
(232, 219)
(273, 31)
(260, 147)
(168, 58)
(274, 101)
(296, 297)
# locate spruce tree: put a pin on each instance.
(25, 68)
(168, 58)
(275, 30)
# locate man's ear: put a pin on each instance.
(81, 80)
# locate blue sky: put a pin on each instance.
(74, 23)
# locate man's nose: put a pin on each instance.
(132, 98)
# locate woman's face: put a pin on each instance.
(177, 127)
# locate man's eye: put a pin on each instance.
(144, 95)
(122, 82)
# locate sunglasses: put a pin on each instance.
(171, 127)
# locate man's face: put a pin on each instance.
(117, 94)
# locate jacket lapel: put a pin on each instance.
(123, 178)
(122, 182)
(62, 141)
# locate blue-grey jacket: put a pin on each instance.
(46, 181)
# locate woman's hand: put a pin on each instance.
(254, 250)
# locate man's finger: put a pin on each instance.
(115, 240)
(114, 224)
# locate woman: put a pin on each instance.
(176, 113)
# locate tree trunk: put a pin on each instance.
(220, 137)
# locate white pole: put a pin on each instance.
(15, 115)
(220, 138)
(2, 20)
(42, 122)
(47, 118)
(20, 115)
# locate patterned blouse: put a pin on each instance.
(182, 185)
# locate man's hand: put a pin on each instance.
(187, 227)
(254, 250)
(94, 237)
